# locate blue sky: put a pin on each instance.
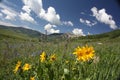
(80, 17)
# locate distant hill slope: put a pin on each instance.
(28, 34)
(55, 36)
(18, 32)
(113, 34)
(110, 35)
(64, 36)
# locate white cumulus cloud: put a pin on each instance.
(9, 14)
(36, 6)
(10, 9)
(48, 26)
(87, 22)
(26, 9)
(68, 23)
(50, 15)
(103, 17)
(54, 31)
(13, 25)
(7, 24)
(78, 31)
(81, 20)
(50, 29)
(26, 17)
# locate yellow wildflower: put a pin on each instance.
(52, 57)
(26, 67)
(17, 66)
(85, 53)
(42, 57)
(32, 78)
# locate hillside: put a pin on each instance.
(64, 36)
(110, 35)
(18, 32)
(28, 34)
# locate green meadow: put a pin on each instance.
(104, 66)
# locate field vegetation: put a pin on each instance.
(84, 58)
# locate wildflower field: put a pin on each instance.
(78, 59)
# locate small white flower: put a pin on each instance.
(66, 71)
(100, 43)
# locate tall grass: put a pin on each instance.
(105, 66)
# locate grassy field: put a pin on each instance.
(104, 66)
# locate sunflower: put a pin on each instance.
(84, 53)
(53, 57)
(43, 57)
(32, 78)
(26, 67)
(17, 66)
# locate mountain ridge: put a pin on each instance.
(18, 32)
(23, 33)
